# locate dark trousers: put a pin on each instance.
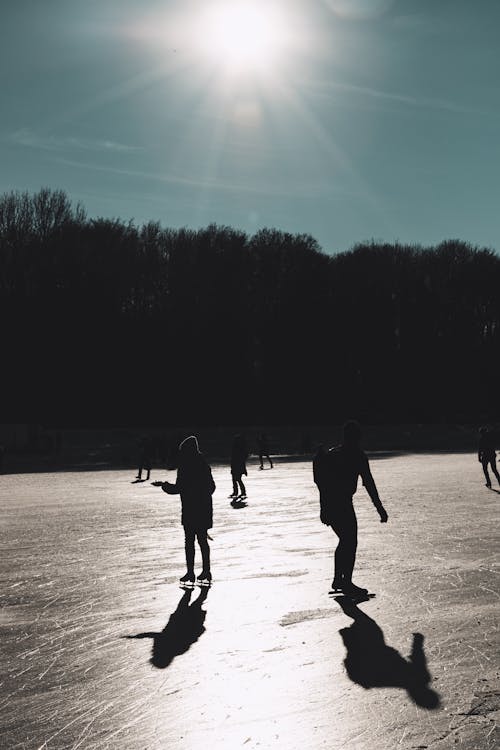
(189, 537)
(345, 525)
(262, 455)
(147, 468)
(237, 481)
(493, 463)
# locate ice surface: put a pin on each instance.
(101, 649)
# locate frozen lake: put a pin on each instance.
(101, 649)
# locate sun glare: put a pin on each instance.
(242, 36)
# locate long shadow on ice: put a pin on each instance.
(370, 662)
(183, 628)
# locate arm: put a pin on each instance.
(211, 481)
(318, 467)
(170, 488)
(371, 488)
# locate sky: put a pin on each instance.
(349, 120)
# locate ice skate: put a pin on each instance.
(205, 578)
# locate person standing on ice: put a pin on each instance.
(336, 473)
(145, 457)
(196, 486)
(239, 455)
(263, 448)
(486, 454)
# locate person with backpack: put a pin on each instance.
(336, 473)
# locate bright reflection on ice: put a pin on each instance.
(101, 649)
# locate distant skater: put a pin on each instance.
(487, 455)
(263, 450)
(239, 455)
(336, 474)
(145, 457)
(196, 486)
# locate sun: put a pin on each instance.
(241, 36)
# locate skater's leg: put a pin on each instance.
(148, 473)
(139, 473)
(270, 461)
(261, 459)
(189, 549)
(487, 476)
(235, 485)
(242, 487)
(346, 528)
(494, 469)
(337, 573)
(205, 554)
(350, 547)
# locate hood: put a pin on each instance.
(189, 446)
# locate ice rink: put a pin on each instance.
(102, 649)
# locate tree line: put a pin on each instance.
(106, 320)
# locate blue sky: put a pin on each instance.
(372, 119)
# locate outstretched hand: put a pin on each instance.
(157, 483)
(383, 516)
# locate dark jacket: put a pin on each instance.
(239, 455)
(196, 486)
(336, 474)
(486, 447)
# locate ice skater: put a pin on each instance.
(486, 454)
(145, 457)
(336, 474)
(196, 486)
(239, 455)
(263, 448)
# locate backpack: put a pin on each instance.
(335, 469)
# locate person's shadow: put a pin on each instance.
(238, 503)
(183, 628)
(370, 662)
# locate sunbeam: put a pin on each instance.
(327, 144)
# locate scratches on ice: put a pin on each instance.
(267, 664)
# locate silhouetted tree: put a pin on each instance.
(105, 317)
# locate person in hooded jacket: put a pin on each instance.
(196, 486)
